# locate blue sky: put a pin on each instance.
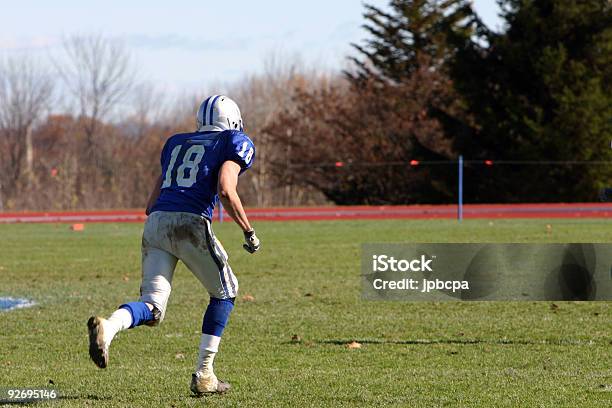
(183, 44)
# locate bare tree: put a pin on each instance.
(26, 91)
(261, 97)
(148, 107)
(99, 73)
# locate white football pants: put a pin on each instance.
(170, 236)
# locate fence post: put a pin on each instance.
(460, 201)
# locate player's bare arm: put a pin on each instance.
(228, 183)
(154, 195)
(228, 194)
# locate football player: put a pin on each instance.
(197, 169)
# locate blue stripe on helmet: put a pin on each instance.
(205, 103)
(212, 106)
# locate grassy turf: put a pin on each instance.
(305, 282)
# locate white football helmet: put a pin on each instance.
(218, 112)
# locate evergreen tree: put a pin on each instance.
(540, 91)
(402, 67)
(409, 35)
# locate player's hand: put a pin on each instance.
(252, 242)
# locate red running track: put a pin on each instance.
(473, 211)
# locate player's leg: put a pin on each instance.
(157, 270)
(208, 262)
(215, 319)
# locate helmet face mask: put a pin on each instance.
(217, 113)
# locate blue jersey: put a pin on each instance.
(190, 168)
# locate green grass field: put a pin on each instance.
(305, 282)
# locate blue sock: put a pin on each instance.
(140, 313)
(216, 316)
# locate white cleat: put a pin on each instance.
(207, 384)
(98, 348)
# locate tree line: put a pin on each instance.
(82, 132)
(529, 106)
(430, 82)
